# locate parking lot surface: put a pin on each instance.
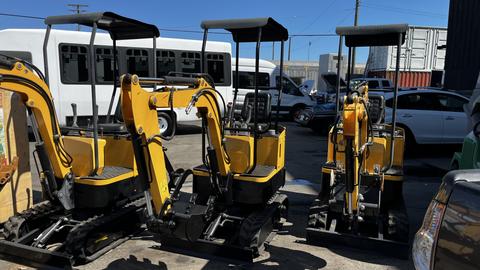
(305, 154)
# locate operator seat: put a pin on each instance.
(376, 109)
(264, 109)
(117, 126)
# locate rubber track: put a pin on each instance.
(76, 238)
(11, 229)
(252, 225)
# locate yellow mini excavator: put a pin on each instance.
(94, 193)
(361, 202)
(235, 206)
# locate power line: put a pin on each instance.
(319, 16)
(404, 10)
(313, 35)
(21, 16)
(180, 30)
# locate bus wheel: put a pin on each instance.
(165, 123)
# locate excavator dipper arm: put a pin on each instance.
(139, 108)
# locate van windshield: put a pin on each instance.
(289, 87)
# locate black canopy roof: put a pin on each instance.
(118, 26)
(245, 30)
(372, 35)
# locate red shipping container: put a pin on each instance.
(407, 78)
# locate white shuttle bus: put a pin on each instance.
(293, 99)
(68, 64)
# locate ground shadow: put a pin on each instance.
(183, 129)
(299, 204)
(280, 258)
(132, 263)
(369, 256)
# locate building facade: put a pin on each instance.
(462, 63)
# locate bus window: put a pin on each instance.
(165, 62)
(137, 62)
(104, 65)
(74, 64)
(27, 56)
(190, 62)
(216, 69)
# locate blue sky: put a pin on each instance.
(299, 16)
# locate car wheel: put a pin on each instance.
(295, 111)
(165, 123)
(410, 142)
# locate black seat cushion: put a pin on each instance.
(110, 128)
(376, 109)
(264, 106)
(117, 126)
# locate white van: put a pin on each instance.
(293, 99)
(68, 57)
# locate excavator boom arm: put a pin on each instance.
(35, 94)
(139, 108)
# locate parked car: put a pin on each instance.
(449, 237)
(376, 83)
(429, 116)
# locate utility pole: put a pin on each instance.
(309, 45)
(77, 8)
(289, 47)
(355, 23)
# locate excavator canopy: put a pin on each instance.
(246, 30)
(372, 35)
(117, 26)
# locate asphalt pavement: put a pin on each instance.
(305, 153)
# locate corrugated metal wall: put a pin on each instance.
(462, 63)
(407, 78)
(419, 52)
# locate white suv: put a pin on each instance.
(429, 116)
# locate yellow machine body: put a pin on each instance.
(234, 154)
(370, 155)
(378, 157)
(116, 175)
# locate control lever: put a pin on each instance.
(249, 113)
(75, 116)
(230, 111)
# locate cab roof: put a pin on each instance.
(119, 27)
(246, 30)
